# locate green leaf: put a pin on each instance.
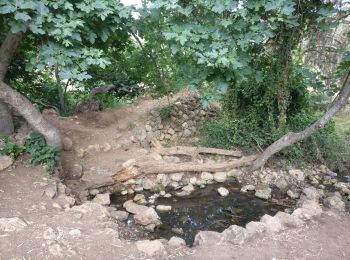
(23, 16)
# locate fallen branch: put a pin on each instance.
(156, 167)
(194, 151)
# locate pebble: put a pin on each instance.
(223, 192)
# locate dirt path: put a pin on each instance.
(49, 229)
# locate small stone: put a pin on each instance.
(272, 224)
(186, 190)
(138, 189)
(187, 133)
(207, 176)
(119, 215)
(297, 174)
(293, 194)
(5, 162)
(162, 193)
(246, 188)
(220, 176)
(67, 143)
(163, 208)
(51, 192)
(176, 242)
(130, 191)
(56, 205)
(94, 192)
(178, 231)
(177, 176)
(235, 173)
(102, 199)
(150, 227)
(234, 235)
(193, 181)
(171, 131)
(139, 197)
(147, 184)
(335, 202)
(12, 224)
(174, 184)
(223, 192)
(156, 156)
(263, 192)
(154, 249)
(311, 193)
(76, 171)
(124, 192)
(129, 163)
(148, 128)
(168, 195)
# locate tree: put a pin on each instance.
(70, 33)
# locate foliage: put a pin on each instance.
(41, 153)
(11, 149)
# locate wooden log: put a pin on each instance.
(193, 151)
(156, 167)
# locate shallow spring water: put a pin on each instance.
(205, 209)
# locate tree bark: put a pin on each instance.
(194, 151)
(31, 114)
(291, 138)
(7, 51)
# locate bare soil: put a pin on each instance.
(108, 134)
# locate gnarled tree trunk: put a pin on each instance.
(7, 51)
(292, 138)
(17, 100)
(31, 114)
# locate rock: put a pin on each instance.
(193, 181)
(147, 184)
(178, 231)
(119, 215)
(220, 176)
(56, 205)
(171, 131)
(129, 163)
(292, 194)
(187, 133)
(308, 210)
(67, 143)
(207, 176)
(253, 228)
(175, 185)
(102, 199)
(12, 224)
(288, 220)
(311, 193)
(5, 162)
(139, 134)
(50, 192)
(94, 192)
(335, 203)
(163, 179)
(162, 193)
(168, 195)
(150, 227)
(234, 235)
(176, 242)
(272, 224)
(207, 238)
(139, 197)
(263, 192)
(76, 171)
(156, 156)
(297, 174)
(186, 190)
(223, 192)
(154, 249)
(248, 187)
(92, 209)
(163, 208)
(282, 184)
(50, 234)
(235, 173)
(143, 215)
(177, 176)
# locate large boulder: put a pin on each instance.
(143, 215)
(154, 249)
(234, 235)
(102, 199)
(176, 242)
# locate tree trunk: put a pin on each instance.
(7, 51)
(292, 138)
(17, 100)
(31, 114)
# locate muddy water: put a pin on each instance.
(204, 209)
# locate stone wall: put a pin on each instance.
(180, 120)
